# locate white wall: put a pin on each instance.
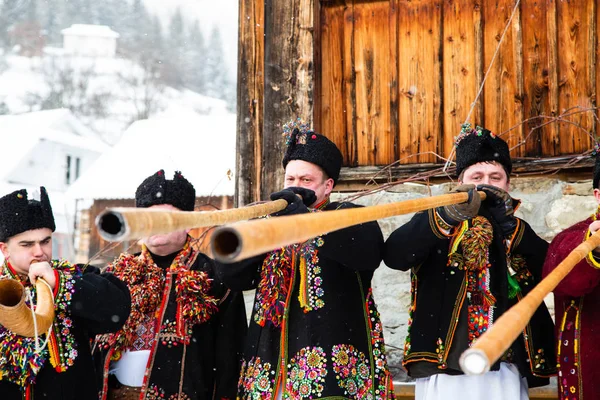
(46, 165)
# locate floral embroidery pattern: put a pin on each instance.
(310, 291)
(352, 370)
(256, 380)
(382, 379)
(62, 346)
(275, 281)
(306, 374)
(568, 352)
(19, 361)
(411, 311)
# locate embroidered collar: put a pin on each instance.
(322, 204)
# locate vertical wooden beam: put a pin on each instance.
(349, 88)
(330, 111)
(288, 84)
(461, 67)
(420, 76)
(374, 72)
(536, 81)
(503, 88)
(551, 138)
(575, 21)
(249, 101)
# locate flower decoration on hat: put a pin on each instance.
(466, 130)
(301, 136)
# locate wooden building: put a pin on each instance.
(391, 81)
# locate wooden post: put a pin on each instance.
(288, 83)
(249, 101)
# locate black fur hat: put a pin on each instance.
(155, 190)
(480, 145)
(19, 214)
(596, 154)
(306, 145)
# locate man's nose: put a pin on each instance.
(37, 250)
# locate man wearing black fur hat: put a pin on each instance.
(185, 334)
(469, 263)
(315, 331)
(576, 301)
(86, 303)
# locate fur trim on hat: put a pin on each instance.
(156, 189)
(19, 214)
(480, 145)
(306, 145)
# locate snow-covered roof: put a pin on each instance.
(201, 147)
(90, 30)
(20, 133)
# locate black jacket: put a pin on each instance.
(205, 360)
(439, 311)
(100, 303)
(293, 342)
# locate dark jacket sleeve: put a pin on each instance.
(584, 277)
(410, 245)
(358, 247)
(532, 247)
(101, 302)
(231, 334)
(241, 275)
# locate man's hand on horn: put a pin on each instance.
(43, 270)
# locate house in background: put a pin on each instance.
(52, 149)
(201, 147)
(90, 40)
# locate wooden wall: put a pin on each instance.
(391, 81)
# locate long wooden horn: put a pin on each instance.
(16, 316)
(124, 223)
(250, 238)
(493, 343)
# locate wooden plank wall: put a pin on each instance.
(395, 79)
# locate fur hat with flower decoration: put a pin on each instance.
(306, 145)
(475, 145)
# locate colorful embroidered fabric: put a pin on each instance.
(19, 361)
(474, 259)
(382, 379)
(352, 370)
(256, 380)
(568, 353)
(146, 282)
(306, 374)
(275, 280)
(273, 287)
